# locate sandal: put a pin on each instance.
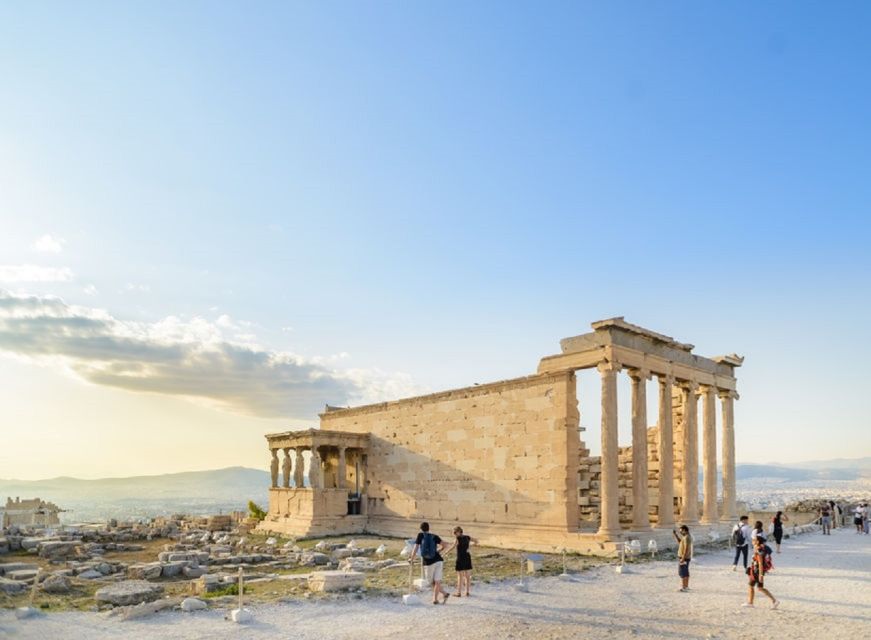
(457, 594)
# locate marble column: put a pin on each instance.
(273, 467)
(314, 470)
(342, 474)
(666, 455)
(285, 468)
(690, 444)
(730, 508)
(640, 493)
(609, 516)
(298, 476)
(709, 459)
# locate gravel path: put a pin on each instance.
(821, 581)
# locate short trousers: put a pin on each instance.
(433, 572)
(757, 583)
(683, 570)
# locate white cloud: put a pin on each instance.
(49, 244)
(191, 358)
(12, 273)
(141, 288)
(90, 290)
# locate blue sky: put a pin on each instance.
(430, 195)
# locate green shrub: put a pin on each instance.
(255, 512)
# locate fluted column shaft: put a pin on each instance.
(730, 508)
(298, 476)
(640, 496)
(341, 478)
(666, 454)
(690, 476)
(609, 518)
(709, 426)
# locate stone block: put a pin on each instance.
(148, 571)
(335, 580)
(128, 592)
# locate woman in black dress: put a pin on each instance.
(463, 565)
(777, 528)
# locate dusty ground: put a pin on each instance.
(821, 581)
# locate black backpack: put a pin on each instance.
(737, 536)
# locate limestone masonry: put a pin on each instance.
(507, 460)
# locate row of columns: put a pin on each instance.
(609, 490)
(296, 464)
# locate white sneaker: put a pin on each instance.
(734, 567)
(747, 604)
(775, 604)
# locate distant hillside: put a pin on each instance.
(194, 492)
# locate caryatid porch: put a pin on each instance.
(654, 497)
(318, 482)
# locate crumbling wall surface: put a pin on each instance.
(498, 459)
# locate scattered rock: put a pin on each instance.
(11, 586)
(57, 549)
(56, 583)
(194, 571)
(148, 571)
(193, 604)
(90, 574)
(129, 592)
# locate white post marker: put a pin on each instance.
(411, 597)
(622, 568)
(521, 586)
(652, 548)
(241, 614)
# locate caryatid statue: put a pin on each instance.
(285, 468)
(273, 467)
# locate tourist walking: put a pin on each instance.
(684, 555)
(866, 520)
(741, 540)
(759, 566)
(826, 519)
(429, 545)
(757, 531)
(859, 518)
(777, 527)
(463, 565)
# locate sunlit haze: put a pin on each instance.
(215, 218)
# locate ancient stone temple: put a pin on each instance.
(33, 512)
(507, 459)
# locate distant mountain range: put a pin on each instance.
(839, 469)
(230, 489)
(191, 492)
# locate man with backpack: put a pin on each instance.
(741, 534)
(429, 545)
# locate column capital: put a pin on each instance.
(638, 374)
(665, 378)
(689, 385)
(608, 367)
(707, 388)
(727, 393)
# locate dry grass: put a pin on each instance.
(490, 565)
